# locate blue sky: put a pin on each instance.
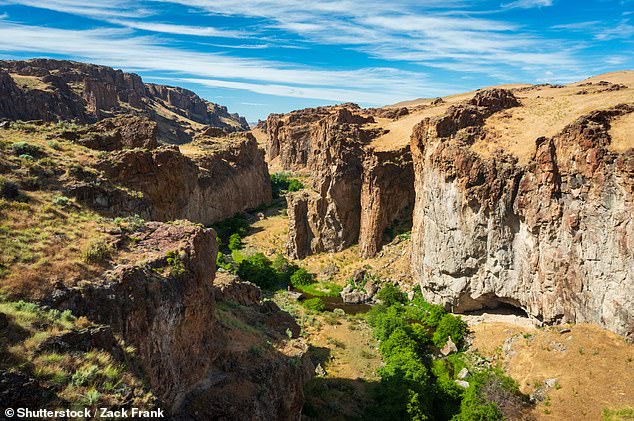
(263, 56)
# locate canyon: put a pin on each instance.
(513, 198)
(517, 196)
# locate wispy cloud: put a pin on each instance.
(97, 10)
(527, 4)
(167, 28)
(421, 32)
(116, 47)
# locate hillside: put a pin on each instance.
(52, 90)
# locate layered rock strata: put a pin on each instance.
(163, 304)
(217, 178)
(355, 191)
(53, 90)
(552, 237)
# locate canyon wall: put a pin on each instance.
(53, 90)
(354, 191)
(214, 179)
(163, 304)
(553, 236)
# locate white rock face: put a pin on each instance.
(554, 237)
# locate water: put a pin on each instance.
(337, 302)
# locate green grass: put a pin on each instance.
(618, 414)
(321, 289)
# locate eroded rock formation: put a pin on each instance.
(52, 90)
(355, 192)
(215, 179)
(163, 304)
(553, 237)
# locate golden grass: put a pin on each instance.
(43, 233)
(544, 112)
(29, 83)
(596, 370)
(622, 133)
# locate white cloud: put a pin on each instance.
(115, 47)
(167, 28)
(527, 4)
(96, 10)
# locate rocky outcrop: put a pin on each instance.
(552, 237)
(198, 365)
(292, 138)
(355, 192)
(53, 90)
(117, 133)
(332, 216)
(220, 178)
(387, 195)
(229, 287)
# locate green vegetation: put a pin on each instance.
(61, 201)
(73, 377)
(321, 289)
(24, 148)
(282, 182)
(301, 278)
(617, 414)
(97, 251)
(129, 223)
(416, 386)
(235, 241)
(390, 294)
(238, 224)
(314, 304)
(259, 270)
(175, 262)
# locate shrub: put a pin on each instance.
(175, 262)
(302, 277)
(85, 375)
(222, 261)
(8, 189)
(295, 185)
(97, 252)
(27, 157)
(54, 144)
(282, 182)
(62, 201)
(453, 326)
(235, 241)
(257, 269)
(284, 269)
(390, 294)
(24, 148)
(129, 223)
(314, 304)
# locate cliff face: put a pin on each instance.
(52, 90)
(354, 190)
(163, 304)
(387, 195)
(552, 236)
(214, 179)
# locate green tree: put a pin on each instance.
(302, 277)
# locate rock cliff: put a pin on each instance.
(355, 192)
(196, 357)
(552, 236)
(53, 90)
(212, 179)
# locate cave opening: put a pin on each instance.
(490, 304)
